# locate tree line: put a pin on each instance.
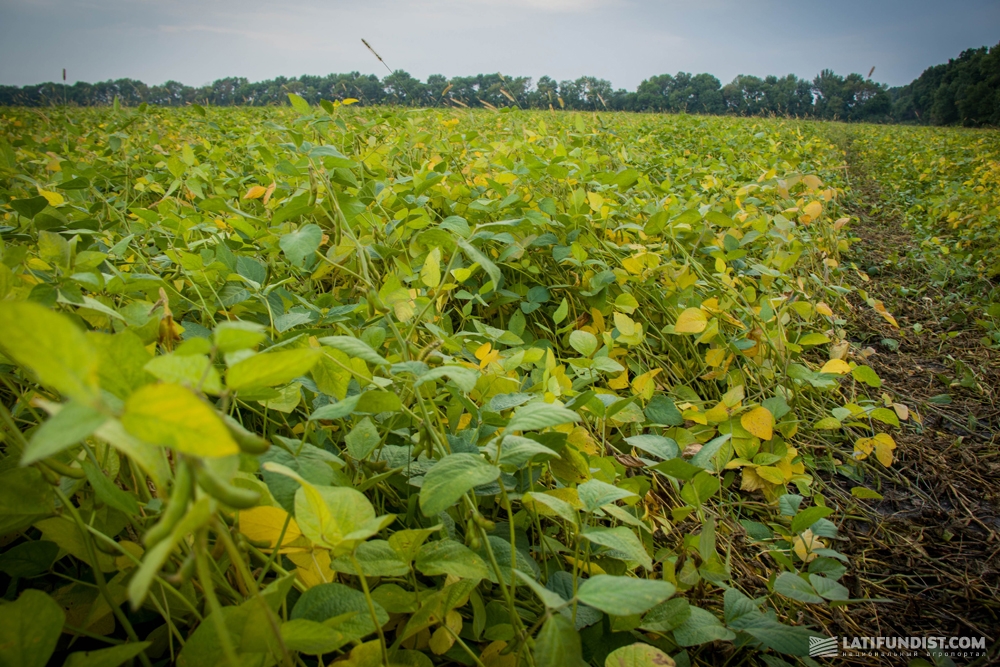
(965, 90)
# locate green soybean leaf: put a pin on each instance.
(867, 375)
(354, 347)
(623, 596)
(828, 588)
(407, 542)
(778, 636)
(517, 451)
(661, 410)
(24, 498)
(666, 616)
(108, 492)
(171, 416)
(249, 629)
(192, 370)
(701, 627)
(238, 335)
(28, 559)
(29, 207)
(793, 586)
(558, 644)
(106, 657)
(301, 244)
(464, 378)
(561, 312)
(337, 410)
(310, 637)
(808, 517)
(550, 599)
(270, 369)
(678, 468)
(594, 494)
(583, 342)
(29, 630)
(657, 445)
(377, 401)
(377, 558)
(298, 103)
(450, 478)
(430, 274)
(69, 424)
(538, 415)
(363, 439)
(450, 557)
(621, 539)
(326, 601)
(885, 416)
(638, 655)
(701, 487)
(51, 346)
(478, 257)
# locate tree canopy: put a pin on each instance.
(963, 91)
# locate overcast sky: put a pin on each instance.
(624, 41)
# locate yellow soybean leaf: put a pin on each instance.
(840, 350)
(441, 641)
(759, 422)
(751, 481)
(771, 474)
(598, 318)
(619, 382)
(884, 444)
(486, 355)
(824, 309)
(430, 274)
(633, 265)
(880, 309)
(692, 320)
(171, 416)
(813, 209)
(812, 181)
(53, 198)
(264, 524)
(863, 446)
(804, 545)
(902, 411)
(625, 324)
(256, 192)
(715, 357)
(643, 385)
(719, 413)
(836, 366)
(491, 656)
(596, 201)
(313, 567)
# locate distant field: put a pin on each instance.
(448, 387)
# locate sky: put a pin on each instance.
(624, 41)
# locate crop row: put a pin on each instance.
(422, 386)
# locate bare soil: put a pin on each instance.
(930, 549)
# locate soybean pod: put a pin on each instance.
(249, 443)
(176, 507)
(226, 493)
